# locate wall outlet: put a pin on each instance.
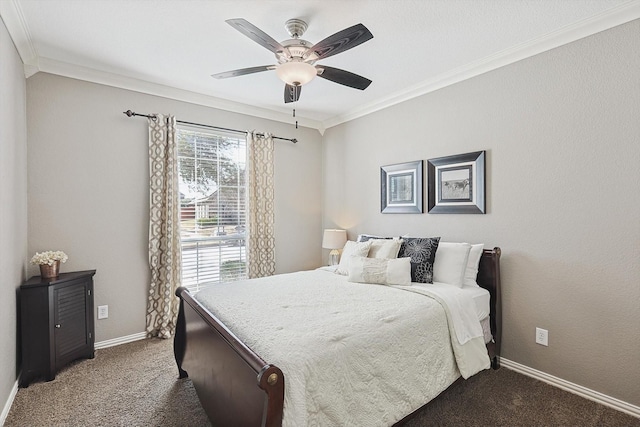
(542, 337)
(103, 311)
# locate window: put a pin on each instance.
(212, 206)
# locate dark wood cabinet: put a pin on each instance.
(57, 327)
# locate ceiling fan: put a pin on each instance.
(297, 57)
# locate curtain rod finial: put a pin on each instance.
(130, 113)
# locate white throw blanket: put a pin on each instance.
(467, 337)
(352, 354)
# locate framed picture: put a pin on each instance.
(456, 184)
(401, 188)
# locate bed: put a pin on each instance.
(242, 378)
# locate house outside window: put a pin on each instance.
(212, 167)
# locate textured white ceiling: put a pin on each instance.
(417, 44)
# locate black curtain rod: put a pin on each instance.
(131, 114)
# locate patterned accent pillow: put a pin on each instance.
(422, 251)
(381, 271)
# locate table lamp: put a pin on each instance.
(334, 240)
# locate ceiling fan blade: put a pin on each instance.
(255, 34)
(343, 77)
(243, 71)
(340, 41)
(291, 93)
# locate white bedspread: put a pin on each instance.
(352, 354)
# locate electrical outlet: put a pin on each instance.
(103, 311)
(542, 337)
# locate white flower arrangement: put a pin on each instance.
(49, 257)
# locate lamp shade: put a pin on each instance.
(334, 239)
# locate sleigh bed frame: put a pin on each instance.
(237, 387)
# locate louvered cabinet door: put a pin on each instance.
(72, 336)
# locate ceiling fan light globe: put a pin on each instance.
(296, 73)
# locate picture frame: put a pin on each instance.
(456, 184)
(401, 188)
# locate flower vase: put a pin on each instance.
(50, 271)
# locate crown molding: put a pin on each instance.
(65, 69)
(619, 15)
(13, 18)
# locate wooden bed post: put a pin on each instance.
(271, 380)
(489, 278)
(180, 340)
(497, 319)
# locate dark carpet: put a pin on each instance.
(136, 384)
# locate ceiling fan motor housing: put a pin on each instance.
(296, 49)
(295, 27)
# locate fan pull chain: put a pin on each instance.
(294, 115)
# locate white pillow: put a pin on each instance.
(380, 271)
(384, 248)
(471, 272)
(350, 249)
(451, 263)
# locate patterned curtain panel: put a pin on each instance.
(261, 239)
(164, 228)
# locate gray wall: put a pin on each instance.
(88, 187)
(562, 134)
(13, 204)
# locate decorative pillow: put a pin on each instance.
(380, 271)
(451, 263)
(471, 272)
(422, 251)
(384, 248)
(350, 249)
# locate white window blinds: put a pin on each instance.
(212, 206)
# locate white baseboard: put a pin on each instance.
(120, 340)
(587, 393)
(7, 405)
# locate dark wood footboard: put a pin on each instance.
(235, 386)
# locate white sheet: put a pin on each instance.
(481, 298)
(352, 354)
